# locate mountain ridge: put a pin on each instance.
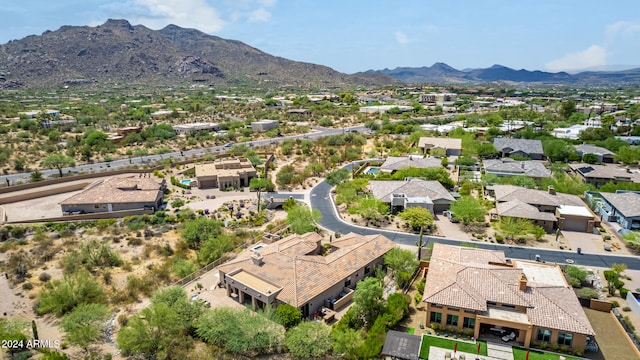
(118, 52)
(442, 73)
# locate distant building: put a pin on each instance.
(382, 109)
(116, 194)
(224, 173)
(510, 167)
(598, 175)
(572, 133)
(124, 131)
(35, 113)
(603, 154)
(440, 99)
(451, 146)
(395, 163)
(631, 140)
(264, 125)
(519, 147)
(402, 194)
(195, 127)
(620, 207)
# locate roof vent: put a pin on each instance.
(256, 257)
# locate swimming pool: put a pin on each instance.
(185, 182)
(257, 247)
(371, 170)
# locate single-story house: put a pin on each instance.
(601, 174)
(117, 194)
(548, 209)
(224, 173)
(412, 192)
(264, 125)
(519, 147)
(604, 155)
(620, 207)
(510, 167)
(395, 163)
(300, 271)
(182, 129)
(451, 146)
(481, 290)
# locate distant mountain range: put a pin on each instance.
(117, 52)
(441, 73)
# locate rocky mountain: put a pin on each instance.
(118, 52)
(440, 73)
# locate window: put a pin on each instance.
(348, 281)
(96, 206)
(452, 320)
(544, 335)
(565, 339)
(367, 269)
(509, 306)
(436, 317)
(469, 322)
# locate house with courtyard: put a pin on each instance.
(484, 293)
(511, 167)
(621, 207)
(117, 194)
(412, 192)
(395, 163)
(547, 209)
(598, 175)
(225, 173)
(452, 147)
(525, 148)
(303, 272)
(604, 155)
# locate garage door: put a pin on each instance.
(575, 225)
(207, 184)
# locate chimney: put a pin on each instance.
(551, 190)
(256, 258)
(522, 282)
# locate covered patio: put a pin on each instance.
(498, 324)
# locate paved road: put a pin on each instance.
(321, 200)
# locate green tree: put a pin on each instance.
(239, 331)
(403, 263)
(196, 231)
(367, 299)
(259, 185)
(589, 158)
(558, 150)
(345, 341)
(468, 209)
(288, 316)
(36, 176)
(213, 248)
(567, 108)
(176, 298)
(487, 150)
(62, 296)
(151, 333)
(308, 340)
(418, 219)
(58, 161)
(629, 155)
(301, 219)
(83, 326)
(338, 176)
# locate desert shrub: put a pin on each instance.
(62, 296)
(44, 277)
(588, 293)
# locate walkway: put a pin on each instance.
(499, 351)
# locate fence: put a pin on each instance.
(626, 326)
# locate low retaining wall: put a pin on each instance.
(42, 193)
(93, 216)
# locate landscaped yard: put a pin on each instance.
(521, 354)
(463, 346)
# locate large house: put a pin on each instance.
(510, 167)
(548, 209)
(601, 174)
(264, 125)
(116, 194)
(603, 154)
(300, 271)
(620, 207)
(412, 192)
(519, 147)
(224, 173)
(395, 163)
(482, 291)
(452, 147)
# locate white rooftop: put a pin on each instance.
(541, 273)
(574, 210)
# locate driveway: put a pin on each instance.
(450, 230)
(593, 244)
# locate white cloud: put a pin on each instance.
(196, 14)
(623, 27)
(401, 37)
(259, 15)
(595, 55)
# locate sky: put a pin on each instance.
(359, 35)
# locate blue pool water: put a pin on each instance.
(372, 170)
(185, 182)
